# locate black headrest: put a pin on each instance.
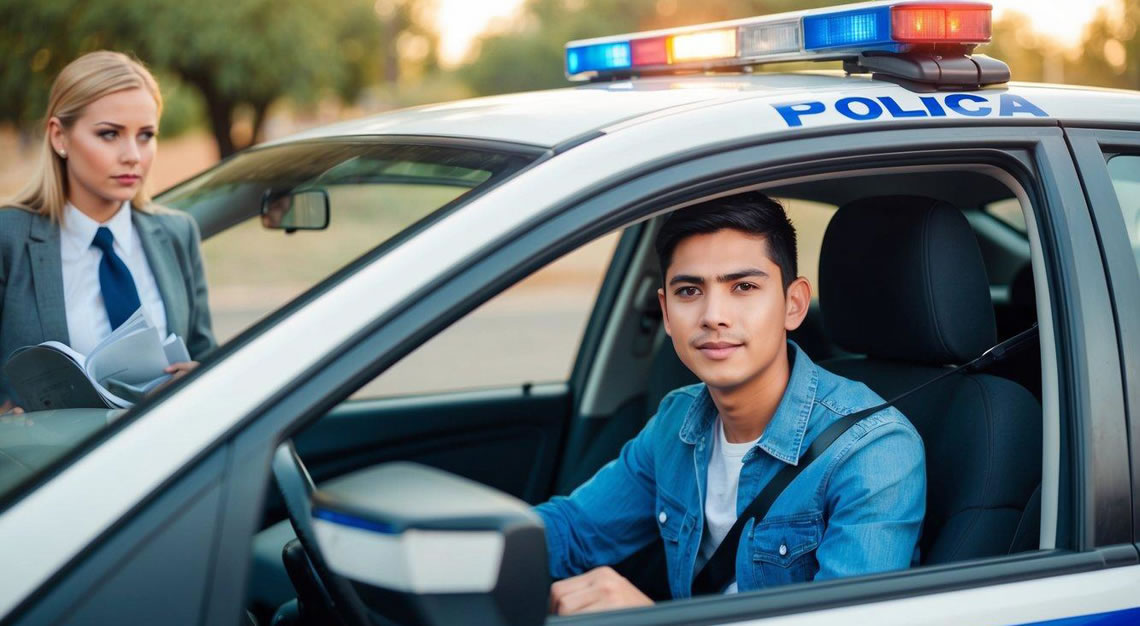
(902, 278)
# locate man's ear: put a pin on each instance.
(797, 300)
(664, 310)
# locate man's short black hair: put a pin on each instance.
(752, 212)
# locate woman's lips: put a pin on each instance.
(127, 180)
(718, 350)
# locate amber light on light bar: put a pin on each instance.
(709, 44)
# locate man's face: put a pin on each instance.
(725, 307)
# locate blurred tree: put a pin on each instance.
(1111, 48)
(1023, 49)
(237, 53)
(530, 55)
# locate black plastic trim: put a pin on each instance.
(1091, 149)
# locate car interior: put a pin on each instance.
(915, 271)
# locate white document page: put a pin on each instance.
(134, 359)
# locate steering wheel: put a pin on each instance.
(334, 596)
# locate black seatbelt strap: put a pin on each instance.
(720, 569)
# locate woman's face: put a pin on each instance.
(109, 149)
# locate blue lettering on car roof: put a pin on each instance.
(862, 109)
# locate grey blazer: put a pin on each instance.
(31, 280)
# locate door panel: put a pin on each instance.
(506, 438)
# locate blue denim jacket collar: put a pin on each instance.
(784, 436)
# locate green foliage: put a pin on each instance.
(235, 53)
(183, 110)
(530, 56)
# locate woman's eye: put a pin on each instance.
(146, 136)
(109, 134)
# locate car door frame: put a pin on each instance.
(1091, 147)
(1077, 275)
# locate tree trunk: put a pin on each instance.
(220, 110)
(259, 111)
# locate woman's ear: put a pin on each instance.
(797, 301)
(57, 137)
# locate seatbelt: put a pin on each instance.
(720, 569)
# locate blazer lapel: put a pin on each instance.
(167, 272)
(47, 279)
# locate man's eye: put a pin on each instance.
(746, 287)
(687, 292)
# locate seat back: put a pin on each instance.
(902, 281)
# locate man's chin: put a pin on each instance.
(721, 380)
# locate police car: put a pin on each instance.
(949, 209)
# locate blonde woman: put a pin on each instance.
(82, 246)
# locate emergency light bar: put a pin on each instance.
(822, 34)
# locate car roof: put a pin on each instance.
(552, 117)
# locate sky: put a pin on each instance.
(462, 21)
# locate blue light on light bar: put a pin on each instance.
(603, 56)
(863, 27)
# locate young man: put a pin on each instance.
(730, 296)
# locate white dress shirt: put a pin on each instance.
(87, 322)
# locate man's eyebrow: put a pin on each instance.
(744, 273)
(686, 278)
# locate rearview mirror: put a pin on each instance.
(306, 209)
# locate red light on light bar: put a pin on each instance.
(935, 24)
(649, 51)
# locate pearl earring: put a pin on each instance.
(63, 154)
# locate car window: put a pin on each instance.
(810, 219)
(1008, 212)
(530, 333)
(374, 190)
(1125, 172)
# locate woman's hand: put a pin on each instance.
(7, 408)
(180, 369)
(177, 370)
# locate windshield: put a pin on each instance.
(275, 222)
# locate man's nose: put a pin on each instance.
(717, 311)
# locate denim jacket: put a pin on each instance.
(856, 510)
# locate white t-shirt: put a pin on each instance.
(725, 463)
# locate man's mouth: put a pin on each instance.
(718, 350)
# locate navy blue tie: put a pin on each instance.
(119, 293)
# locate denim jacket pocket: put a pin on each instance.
(672, 519)
(783, 548)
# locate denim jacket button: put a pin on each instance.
(663, 517)
(783, 549)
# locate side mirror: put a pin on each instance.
(424, 546)
(306, 209)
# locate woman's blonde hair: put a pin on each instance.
(83, 81)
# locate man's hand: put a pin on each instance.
(600, 589)
(7, 407)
